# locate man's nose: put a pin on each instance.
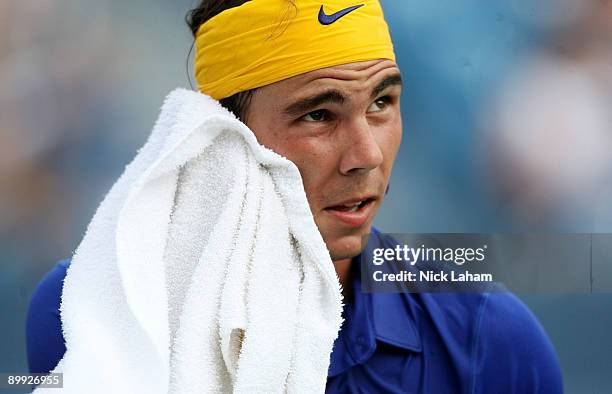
(361, 152)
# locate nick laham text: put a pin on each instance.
(431, 276)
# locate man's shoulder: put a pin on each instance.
(512, 348)
(505, 342)
(508, 349)
(47, 294)
(507, 323)
(53, 280)
(44, 339)
(63, 265)
(58, 273)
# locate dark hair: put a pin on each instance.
(239, 102)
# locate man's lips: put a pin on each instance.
(354, 212)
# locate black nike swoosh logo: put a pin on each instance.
(325, 19)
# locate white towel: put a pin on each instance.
(202, 271)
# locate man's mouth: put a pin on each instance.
(353, 213)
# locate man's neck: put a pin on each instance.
(344, 272)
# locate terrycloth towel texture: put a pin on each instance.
(202, 270)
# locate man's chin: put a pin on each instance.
(346, 247)
(342, 242)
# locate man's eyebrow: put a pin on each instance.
(391, 80)
(334, 96)
(309, 103)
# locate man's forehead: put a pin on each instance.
(352, 77)
(357, 71)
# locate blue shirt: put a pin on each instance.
(390, 342)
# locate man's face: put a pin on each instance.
(342, 128)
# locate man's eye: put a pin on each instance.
(316, 116)
(379, 104)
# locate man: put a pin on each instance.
(319, 85)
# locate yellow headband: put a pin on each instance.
(266, 41)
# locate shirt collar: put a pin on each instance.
(371, 317)
(394, 315)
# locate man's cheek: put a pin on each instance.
(391, 149)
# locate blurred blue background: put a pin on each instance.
(505, 130)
